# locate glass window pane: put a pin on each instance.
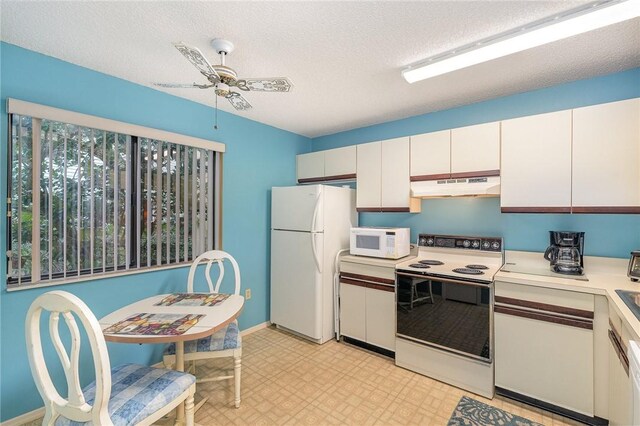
(83, 194)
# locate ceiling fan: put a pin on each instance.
(223, 78)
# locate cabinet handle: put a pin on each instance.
(548, 308)
(617, 347)
(368, 278)
(375, 286)
(547, 317)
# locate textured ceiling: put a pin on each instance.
(344, 58)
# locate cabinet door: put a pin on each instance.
(368, 161)
(352, 311)
(606, 157)
(544, 344)
(395, 174)
(340, 163)
(620, 407)
(431, 155)
(547, 361)
(381, 317)
(476, 150)
(536, 164)
(310, 167)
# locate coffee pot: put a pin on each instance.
(565, 252)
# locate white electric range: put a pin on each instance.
(444, 310)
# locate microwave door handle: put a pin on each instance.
(315, 251)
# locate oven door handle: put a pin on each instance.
(444, 280)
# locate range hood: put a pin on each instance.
(466, 187)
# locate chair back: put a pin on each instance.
(211, 257)
(74, 406)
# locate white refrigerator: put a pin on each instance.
(309, 225)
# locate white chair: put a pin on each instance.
(225, 343)
(126, 395)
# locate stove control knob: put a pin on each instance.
(466, 243)
(495, 245)
(422, 242)
(430, 241)
(475, 244)
(486, 245)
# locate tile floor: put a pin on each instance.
(287, 380)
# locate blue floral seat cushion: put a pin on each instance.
(137, 391)
(225, 338)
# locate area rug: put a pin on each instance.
(470, 412)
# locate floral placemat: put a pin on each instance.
(193, 299)
(145, 324)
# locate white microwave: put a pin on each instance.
(389, 243)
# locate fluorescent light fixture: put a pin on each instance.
(577, 21)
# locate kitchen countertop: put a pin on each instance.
(605, 275)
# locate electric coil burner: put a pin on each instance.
(468, 271)
(420, 265)
(477, 266)
(431, 262)
(444, 310)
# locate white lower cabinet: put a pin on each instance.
(620, 407)
(367, 310)
(367, 304)
(353, 311)
(619, 391)
(544, 345)
(380, 317)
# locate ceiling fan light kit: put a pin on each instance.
(224, 79)
(576, 21)
(221, 46)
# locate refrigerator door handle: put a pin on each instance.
(315, 252)
(314, 217)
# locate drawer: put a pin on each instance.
(373, 273)
(545, 296)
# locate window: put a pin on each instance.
(86, 201)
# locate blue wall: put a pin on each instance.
(258, 157)
(606, 235)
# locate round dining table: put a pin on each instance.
(213, 319)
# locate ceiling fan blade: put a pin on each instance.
(183, 86)
(279, 84)
(195, 56)
(238, 101)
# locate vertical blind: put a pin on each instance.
(86, 202)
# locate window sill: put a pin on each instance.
(84, 278)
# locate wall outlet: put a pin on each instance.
(247, 294)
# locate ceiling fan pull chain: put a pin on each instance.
(215, 126)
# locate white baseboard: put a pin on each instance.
(25, 418)
(255, 328)
(38, 413)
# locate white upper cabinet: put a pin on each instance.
(395, 173)
(476, 150)
(328, 165)
(606, 158)
(383, 177)
(340, 163)
(462, 152)
(431, 155)
(536, 163)
(369, 175)
(310, 166)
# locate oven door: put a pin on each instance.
(454, 316)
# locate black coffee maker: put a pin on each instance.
(565, 252)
